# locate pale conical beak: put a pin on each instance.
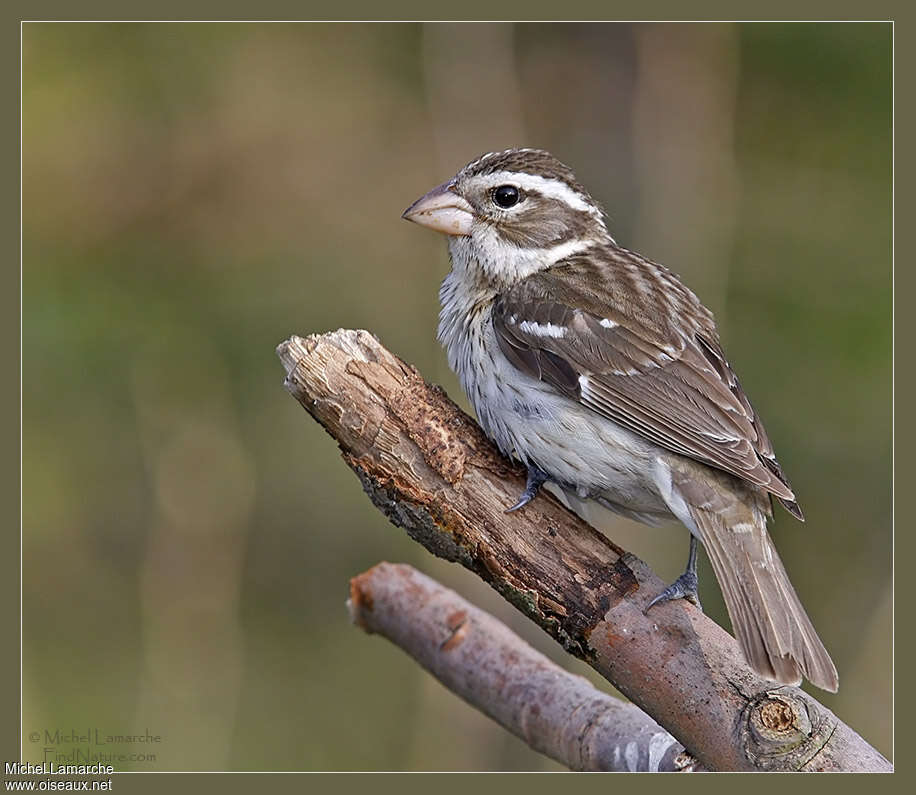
(442, 209)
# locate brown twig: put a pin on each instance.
(428, 466)
(480, 659)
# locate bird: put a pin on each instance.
(603, 373)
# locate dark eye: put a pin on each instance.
(506, 196)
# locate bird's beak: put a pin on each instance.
(442, 209)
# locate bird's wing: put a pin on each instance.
(624, 337)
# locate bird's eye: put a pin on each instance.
(506, 196)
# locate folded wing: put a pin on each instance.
(607, 337)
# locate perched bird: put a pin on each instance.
(602, 372)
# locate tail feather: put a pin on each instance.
(771, 626)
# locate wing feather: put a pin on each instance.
(633, 344)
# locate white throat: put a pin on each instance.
(486, 257)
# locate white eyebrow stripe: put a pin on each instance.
(551, 188)
(542, 329)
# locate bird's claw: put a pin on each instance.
(536, 479)
(684, 587)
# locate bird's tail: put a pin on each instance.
(772, 628)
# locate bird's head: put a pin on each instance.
(509, 214)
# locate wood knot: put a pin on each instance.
(456, 619)
(457, 624)
(777, 720)
(781, 729)
(777, 716)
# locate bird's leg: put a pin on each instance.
(536, 479)
(685, 586)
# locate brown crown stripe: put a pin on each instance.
(528, 161)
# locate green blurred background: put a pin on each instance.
(195, 193)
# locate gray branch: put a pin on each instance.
(430, 469)
(480, 659)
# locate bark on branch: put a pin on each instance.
(430, 469)
(480, 659)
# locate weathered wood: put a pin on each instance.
(480, 659)
(430, 469)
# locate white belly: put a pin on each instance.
(580, 450)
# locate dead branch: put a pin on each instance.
(430, 469)
(480, 659)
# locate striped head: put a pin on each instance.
(510, 214)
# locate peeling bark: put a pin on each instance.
(430, 469)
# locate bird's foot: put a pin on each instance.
(684, 587)
(536, 479)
